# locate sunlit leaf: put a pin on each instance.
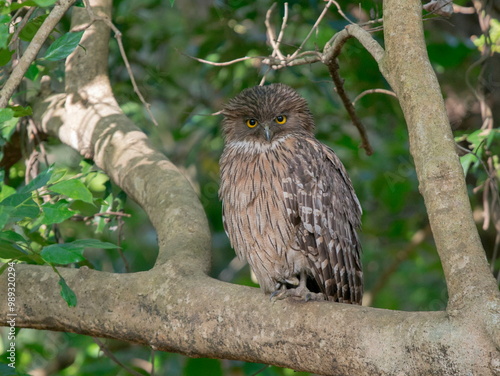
(39, 181)
(466, 161)
(105, 207)
(8, 127)
(56, 213)
(63, 46)
(5, 212)
(74, 189)
(4, 30)
(10, 250)
(63, 253)
(22, 206)
(44, 3)
(20, 111)
(12, 236)
(32, 72)
(6, 114)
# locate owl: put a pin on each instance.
(289, 207)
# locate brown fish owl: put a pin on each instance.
(289, 207)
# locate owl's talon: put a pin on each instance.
(299, 292)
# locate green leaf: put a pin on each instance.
(63, 46)
(32, 72)
(5, 370)
(6, 114)
(62, 253)
(28, 3)
(202, 366)
(100, 221)
(172, 2)
(57, 175)
(8, 127)
(23, 206)
(12, 236)
(45, 3)
(39, 181)
(67, 294)
(2, 269)
(9, 250)
(6, 191)
(466, 161)
(94, 243)
(56, 213)
(20, 111)
(30, 29)
(74, 189)
(5, 212)
(4, 30)
(5, 56)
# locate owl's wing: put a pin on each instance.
(323, 206)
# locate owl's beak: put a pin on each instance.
(267, 133)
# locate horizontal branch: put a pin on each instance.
(203, 317)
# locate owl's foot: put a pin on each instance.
(300, 292)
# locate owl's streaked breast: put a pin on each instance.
(255, 217)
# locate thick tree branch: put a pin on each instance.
(195, 315)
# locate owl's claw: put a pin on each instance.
(300, 292)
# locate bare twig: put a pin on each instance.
(463, 10)
(110, 355)
(417, 239)
(283, 25)
(119, 243)
(441, 7)
(118, 37)
(329, 58)
(341, 12)
(32, 50)
(271, 36)
(21, 25)
(103, 214)
(333, 68)
(315, 26)
(373, 91)
(225, 63)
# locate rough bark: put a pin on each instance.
(177, 307)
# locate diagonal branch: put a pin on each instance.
(34, 47)
(89, 119)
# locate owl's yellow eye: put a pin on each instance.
(280, 119)
(252, 123)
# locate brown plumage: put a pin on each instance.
(289, 207)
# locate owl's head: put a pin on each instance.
(266, 113)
